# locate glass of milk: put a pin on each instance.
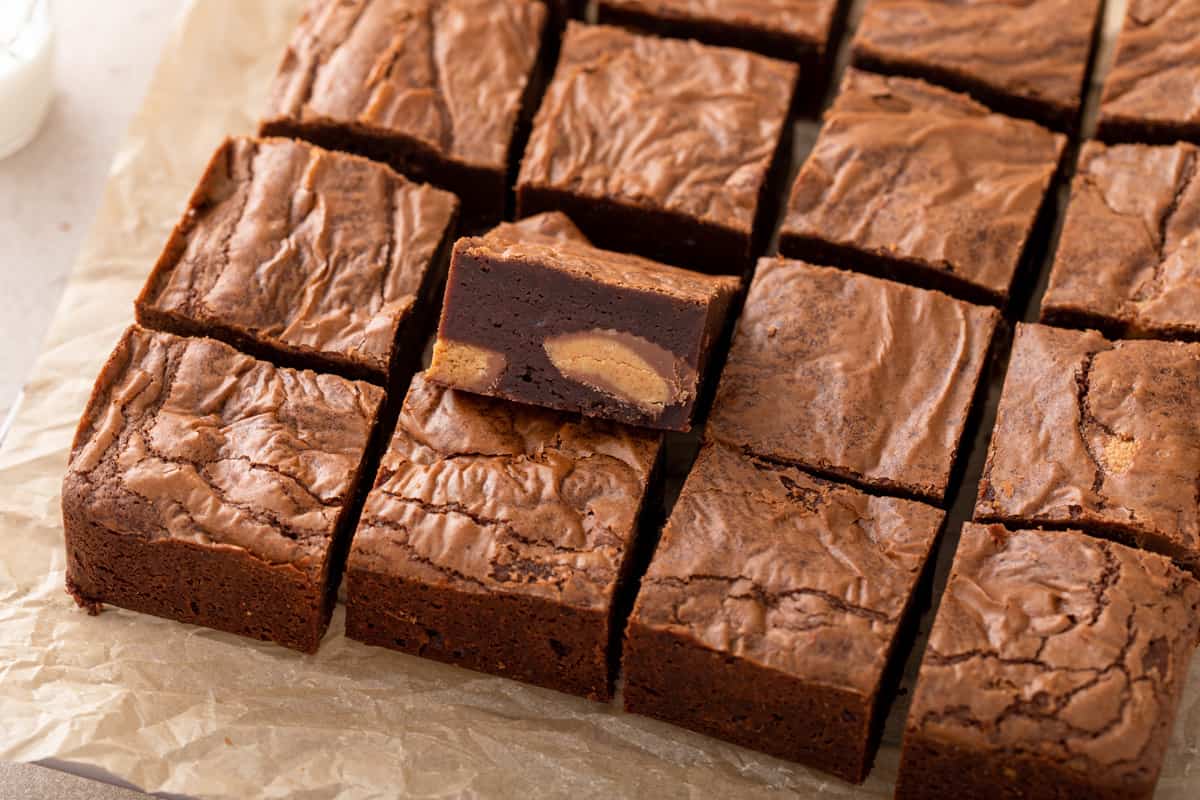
(26, 70)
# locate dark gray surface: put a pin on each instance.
(29, 782)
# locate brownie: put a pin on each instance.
(660, 147)
(439, 89)
(853, 377)
(568, 326)
(914, 182)
(1099, 435)
(1150, 92)
(208, 487)
(1128, 259)
(805, 31)
(1054, 670)
(1027, 59)
(499, 537)
(771, 609)
(552, 227)
(305, 257)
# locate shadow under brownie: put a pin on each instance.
(208, 487)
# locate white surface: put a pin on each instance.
(105, 53)
(26, 71)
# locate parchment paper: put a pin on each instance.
(176, 709)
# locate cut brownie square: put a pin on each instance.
(1099, 435)
(805, 31)
(1150, 92)
(1054, 670)
(305, 257)
(439, 89)
(771, 610)
(569, 326)
(207, 487)
(660, 147)
(914, 182)
(1128, 259)
(552, 227)
(1027, 59)
(853, 377)
(498, 537)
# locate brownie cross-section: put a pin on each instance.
(208, 487)
(1054, 669)
(498, 537)
(307, 258)
(1099, 435)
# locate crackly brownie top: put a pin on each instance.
(811, 19)
(318, 251)
(1130, 247)
(852, 375)
(1030, 48)
(768, 564)
(663, 123)
(187, 439)
(552, 227)
(483, 495)
(1093, 431)
(448, 73)
(1060, 647)
(579, 259)
(1157, 64)
(906, 170)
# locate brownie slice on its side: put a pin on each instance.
(562, 324)
(1128, 260)
(661, 147)
(1101, 436)
(1027, 59)
(207, 487)
(439, 89)
(853, 377)
(1054, 670)
(307, 258)
(913, 182)
(771, 610)
(1150, 92)
(498, 538)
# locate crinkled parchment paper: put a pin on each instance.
(175, 709)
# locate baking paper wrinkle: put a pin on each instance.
(181, 710)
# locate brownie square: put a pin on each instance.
(1150, 92)
(305, 257)
(1099, 435)
(1128, 261)
(853, 377)
(208, 487)
(565, 325)
(1027, 59)
(660, 147)
(804, 31)
(498, 537)
(771, 610)
(439, 89)
(914, 182)
(1054, 670)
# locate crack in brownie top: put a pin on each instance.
(188, 439)
(908, 171)
(319, 251)
(489, 496)
(1157, 64)
(417, 68)
(1061, 647)
(663, 123)
(1130, 247)
(1100, 435)
(1029, 48)
(796, 574)
(811, 19)
(878, 377)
